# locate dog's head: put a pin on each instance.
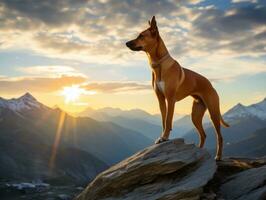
(147, 39)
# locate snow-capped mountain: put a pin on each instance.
(25, 102)
(32, 117)
(240, 111)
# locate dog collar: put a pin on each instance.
(159, 62)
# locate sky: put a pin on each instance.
(72, 53)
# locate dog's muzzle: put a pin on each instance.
(131, 45)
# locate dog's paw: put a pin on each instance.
(218, 158)
(160, 140)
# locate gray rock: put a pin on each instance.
(171, 170)
(246, 185)
(63, 197)
(241, 163)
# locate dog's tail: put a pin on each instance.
(223, 122)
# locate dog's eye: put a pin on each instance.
(141, 37)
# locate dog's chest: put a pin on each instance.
(161, 86)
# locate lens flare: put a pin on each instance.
(57, 140)
(72, 93)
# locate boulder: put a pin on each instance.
(247, 185)
(167, 171)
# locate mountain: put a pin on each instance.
(243, 120)
(257, 110)
(137, 120)
(29, 130)
(107, 113)
(151, 131)
(184, 124)
(25, 102)
(253, 146)
(25, 153)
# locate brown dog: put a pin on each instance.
(172, 83)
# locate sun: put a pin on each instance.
(72, 93)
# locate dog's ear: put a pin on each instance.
(153, 23)
(153, 26)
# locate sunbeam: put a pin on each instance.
(57, 140)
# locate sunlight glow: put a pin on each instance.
(73, 93)
(57, 140)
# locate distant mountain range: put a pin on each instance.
(29, 129)
(138, 120)
(257, 110)
(253, 146)
(244, 121)
(107, 113)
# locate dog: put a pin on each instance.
(172, 83)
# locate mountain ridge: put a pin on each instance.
(183, 125)
(31, 123)
(243, 120)
(255, 110)
(24, 102)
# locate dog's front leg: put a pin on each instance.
(169, 117)
(162, 105)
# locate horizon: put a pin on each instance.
(76, 114)
(73, 54)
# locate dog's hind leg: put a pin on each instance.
(198, 110)
(212, 103)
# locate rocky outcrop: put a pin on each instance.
(238, 179)
(171, 170)
(177, 171)
(246, 185)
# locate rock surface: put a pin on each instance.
(238, 179)
(171, 170)
(246, 185)
(168, 171)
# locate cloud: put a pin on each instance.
(116, 87)
(37, 84)
(81, 29)
(218, 24)
(227, 70)
(240, 30)
(96, 31)
(68, 47)
(51, 71)
(188, 1)
(47, 83)
(60, 44)
(241, 1)
(51, 12)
